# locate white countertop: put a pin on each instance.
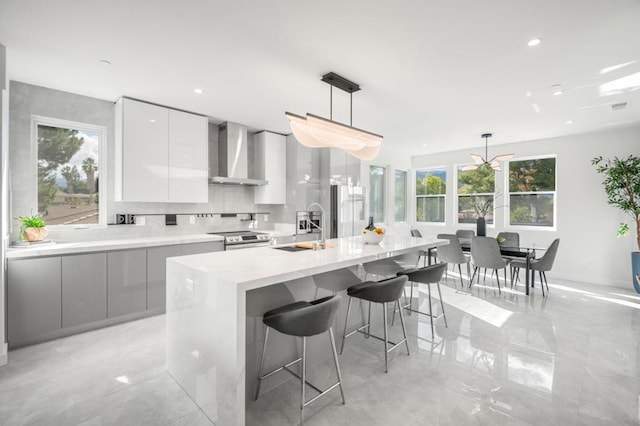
(106, 245)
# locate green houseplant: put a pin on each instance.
(622, 185)
(32, 228)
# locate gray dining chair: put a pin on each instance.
(452, 254)
(465, 233)
(511, 239)
(485, 253)
(542, 265)
(423, 253)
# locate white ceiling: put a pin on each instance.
(435, 74)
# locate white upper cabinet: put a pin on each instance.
(188, 157)
(161, 154)
(271, 164)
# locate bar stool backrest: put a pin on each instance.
(428, 275)
(384, 291)
(315, 318)
(415, 233)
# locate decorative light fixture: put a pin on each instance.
(317, 132)
(479, 160)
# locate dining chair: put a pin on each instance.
(510, 239)
(485, 253)
(542, 265)
(466, 233)
(452, 254)
(423, 253)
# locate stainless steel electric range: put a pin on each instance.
(244, 239)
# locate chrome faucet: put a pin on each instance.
(323, 242)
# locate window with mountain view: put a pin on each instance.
(532, 192)
(431, 189)
(68, 162)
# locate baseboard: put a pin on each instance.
(597, 280)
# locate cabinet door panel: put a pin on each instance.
(34, 305)
(84, 289)
(157, 274)
(198, 248)
(126, 282)
(145, 152)
(188, 157)
(271, 150)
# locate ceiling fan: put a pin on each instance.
(479, 160)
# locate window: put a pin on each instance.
(476, 194)
(376, 193)
(532, 192)
(431, 189)
(69, 163)
(401, 196)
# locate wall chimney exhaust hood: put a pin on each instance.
(233, 157)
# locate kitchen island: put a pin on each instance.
(206, 310)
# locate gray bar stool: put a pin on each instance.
(385, 291)
(303, 319)
(431, 274)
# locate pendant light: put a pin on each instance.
(318, 132)
(479, 160)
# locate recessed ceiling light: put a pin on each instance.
(534, 42)
(153, 120)
(104, 62)
(556, 89)
(568, 122)
(528, 93)
(198, 91)
(536, 108)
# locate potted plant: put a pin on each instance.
(622, 185)
(32, 228)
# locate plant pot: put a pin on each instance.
(481, 227)
(34, 234)
(635, 269)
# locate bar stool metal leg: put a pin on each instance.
(335, 361)
(346, 321)
(264, 351)
(442, 305)
(386, 339)
(304, 378)
(404, 332)
(431, 312)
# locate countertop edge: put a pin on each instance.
(81, 247)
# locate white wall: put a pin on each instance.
(4, 161)
(586, 225)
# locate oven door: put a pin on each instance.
(247, 245)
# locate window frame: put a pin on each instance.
(456, 169)
(444, 196)
(384, 193)
(38, 120)
(507, 214)
(406, 194)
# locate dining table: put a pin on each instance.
(528, 253)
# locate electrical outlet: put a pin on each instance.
(192, 220)
(266, 218)
(141, 221)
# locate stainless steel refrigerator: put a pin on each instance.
(346, 213)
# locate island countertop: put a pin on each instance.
(206, 310)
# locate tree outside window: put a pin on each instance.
(476, 194)
(377, 192)
(68, 160)
(431, 189)
(532, 192)
(401, 196)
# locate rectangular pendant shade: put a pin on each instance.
(318, 132)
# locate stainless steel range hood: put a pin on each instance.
(233, 156)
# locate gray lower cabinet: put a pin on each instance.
(84, 289)
(34, 299)
(126, 282)
(157, 275)
(197, 248)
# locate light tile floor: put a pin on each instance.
(572, 358)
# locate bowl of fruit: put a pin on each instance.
(372, 236)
